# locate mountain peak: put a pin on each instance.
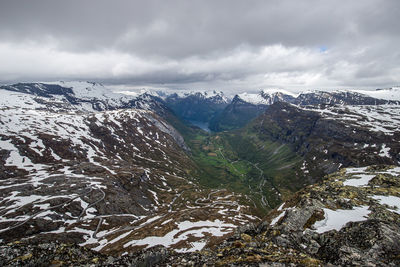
(273, 91)
(253, 98)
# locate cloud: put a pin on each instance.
(208, 44)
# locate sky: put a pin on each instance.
(189, 44)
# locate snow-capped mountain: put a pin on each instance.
(78, 97)
(268, 97)
(255, 99)
(197, 106)
(277, 95)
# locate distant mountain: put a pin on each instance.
(337, 98)
(247, 106)
(239, 112)
(197, 106)
(277, 95)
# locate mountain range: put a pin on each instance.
(119, 173)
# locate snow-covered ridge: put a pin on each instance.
(317, 97)
(273, 91)
(62, 96)
(97, 91)
(205, 94)
(380, 118)
(214, 96)
(387, 93)
(72, 97)
(90, 96)
(255, 99)
(31, 125)
(89, 90)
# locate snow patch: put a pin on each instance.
(336, 219)
(362, 180)
(391, 201)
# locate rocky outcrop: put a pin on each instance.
(347, 220)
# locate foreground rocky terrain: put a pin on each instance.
(350, 219)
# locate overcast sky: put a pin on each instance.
(228, 45)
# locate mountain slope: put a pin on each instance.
(334, 136)
(287, 148)
(104, 180)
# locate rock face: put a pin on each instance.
(350, 219)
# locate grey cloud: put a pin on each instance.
(190, 42)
